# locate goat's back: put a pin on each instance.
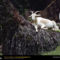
(43, 20)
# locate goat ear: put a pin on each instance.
(32, 12)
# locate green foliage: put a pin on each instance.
(1, 54)
(30, 19)
(56, 52)
(57, 30)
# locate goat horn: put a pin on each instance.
(37, 11)
(38, 15)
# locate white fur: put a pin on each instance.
(43, 23)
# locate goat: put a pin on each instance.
(42, 22)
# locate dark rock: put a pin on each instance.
(27, 42)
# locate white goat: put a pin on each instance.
(42, 22)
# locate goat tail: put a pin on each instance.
(55, 25)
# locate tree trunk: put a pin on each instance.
(52, 11)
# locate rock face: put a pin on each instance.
(22, 39)
(27, 42)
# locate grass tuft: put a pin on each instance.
(55, 52)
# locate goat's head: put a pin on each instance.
(34, 14)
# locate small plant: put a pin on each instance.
(57, 30)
